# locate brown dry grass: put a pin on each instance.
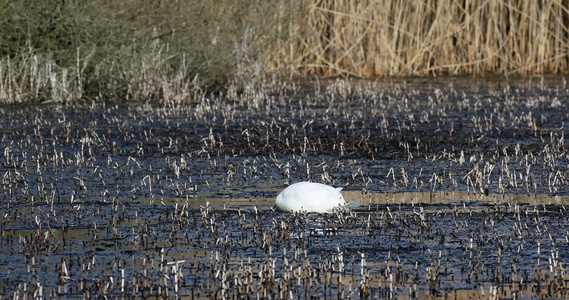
(434, 37)
(61, 51)
(174, 50)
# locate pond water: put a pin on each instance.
(462, 183)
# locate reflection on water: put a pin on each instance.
(368, 198)
(374, 198)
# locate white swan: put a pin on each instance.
(311, 197)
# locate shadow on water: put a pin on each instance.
(463, 191)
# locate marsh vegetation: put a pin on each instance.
(462, 185)
(143, 144)
(62, 51)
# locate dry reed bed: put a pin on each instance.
(385, 38)
(172, 51)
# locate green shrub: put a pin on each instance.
(102, 49)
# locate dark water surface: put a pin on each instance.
(462, 184)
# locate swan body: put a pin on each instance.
(310, 197)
